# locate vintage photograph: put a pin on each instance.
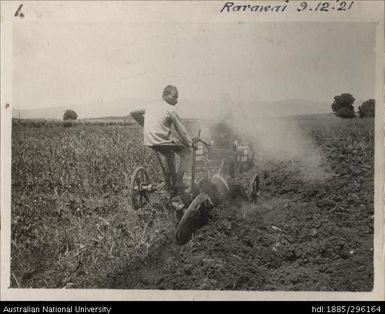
(183, 152)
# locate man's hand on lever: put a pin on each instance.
(195, 141)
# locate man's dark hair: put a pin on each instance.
(167, 90)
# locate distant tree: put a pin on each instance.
(367, 109)
(345, 112)
(344, 101)
(70, 115)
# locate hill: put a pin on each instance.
(188, 108)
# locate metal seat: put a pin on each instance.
(172, 147)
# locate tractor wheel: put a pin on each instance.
(254, 188)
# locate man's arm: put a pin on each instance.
(181, 130)
(138, 116)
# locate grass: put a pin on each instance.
(71, 215)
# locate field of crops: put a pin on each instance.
(73, 226)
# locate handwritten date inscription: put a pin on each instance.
(304, 6)
(325, 6)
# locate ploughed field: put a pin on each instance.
(73, 226)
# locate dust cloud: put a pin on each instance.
(281, 140)
(273, 137)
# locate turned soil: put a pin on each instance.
(301, 235)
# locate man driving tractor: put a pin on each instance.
(157, 121)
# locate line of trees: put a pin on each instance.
(343, 107)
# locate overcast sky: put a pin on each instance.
(71, 63)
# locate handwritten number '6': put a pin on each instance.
(303, 6)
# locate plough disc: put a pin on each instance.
(194, 218)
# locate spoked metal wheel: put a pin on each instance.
(139, 191)
(194, 218)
